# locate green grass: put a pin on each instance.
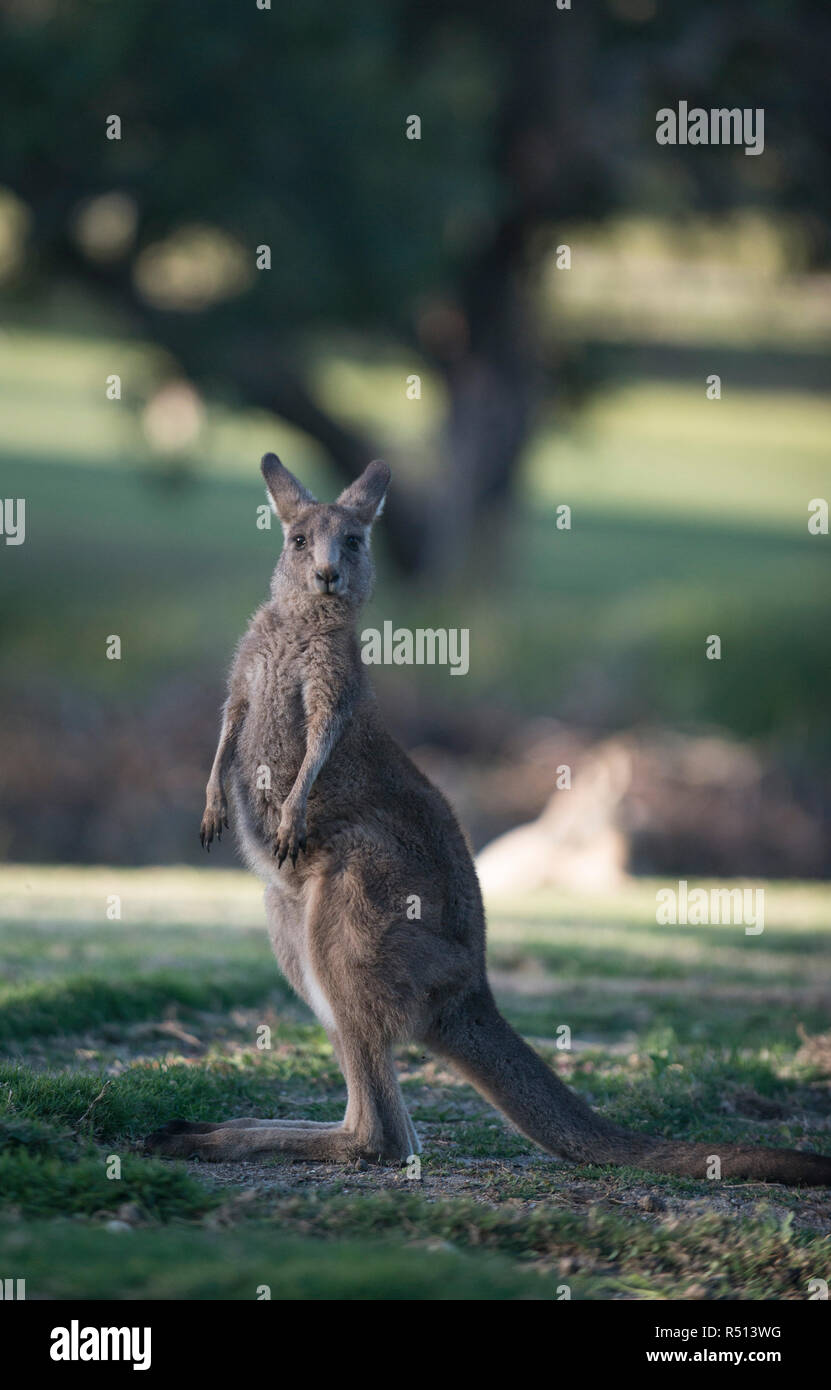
(108, 1029)
(652, 450)
(39, 1187)
(64, 1261)
(390, 1248)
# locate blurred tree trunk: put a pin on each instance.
(492, 385)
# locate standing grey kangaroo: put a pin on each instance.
(345, 832)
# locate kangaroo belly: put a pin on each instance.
(249, 831)
(287, 929)
(315, 996)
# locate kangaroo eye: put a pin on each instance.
(298, 542)
(353, 543)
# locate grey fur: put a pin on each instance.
(348, 833)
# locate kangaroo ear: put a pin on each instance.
(288, 497)
(366, 495)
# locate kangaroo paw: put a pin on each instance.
(291, 840)
(215, 817)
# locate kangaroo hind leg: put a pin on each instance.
(376, 1126)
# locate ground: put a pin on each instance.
(110, 1026)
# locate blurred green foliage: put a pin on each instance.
(287, 127)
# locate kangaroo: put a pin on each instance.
(575, 842)
(345, 835)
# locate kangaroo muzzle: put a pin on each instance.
(328, 580)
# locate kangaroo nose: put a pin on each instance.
(327, 575)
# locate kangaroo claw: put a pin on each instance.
(216, 814)
(288, 845)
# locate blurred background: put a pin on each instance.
(540, 384)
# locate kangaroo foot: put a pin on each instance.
(317, 1142)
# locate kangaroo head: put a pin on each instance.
(326, 546)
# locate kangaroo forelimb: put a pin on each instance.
(216, 806)
(324, 726)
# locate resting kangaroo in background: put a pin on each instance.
(344, 836)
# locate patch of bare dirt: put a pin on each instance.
(490, 1183)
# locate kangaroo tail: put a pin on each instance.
(508, 1073)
